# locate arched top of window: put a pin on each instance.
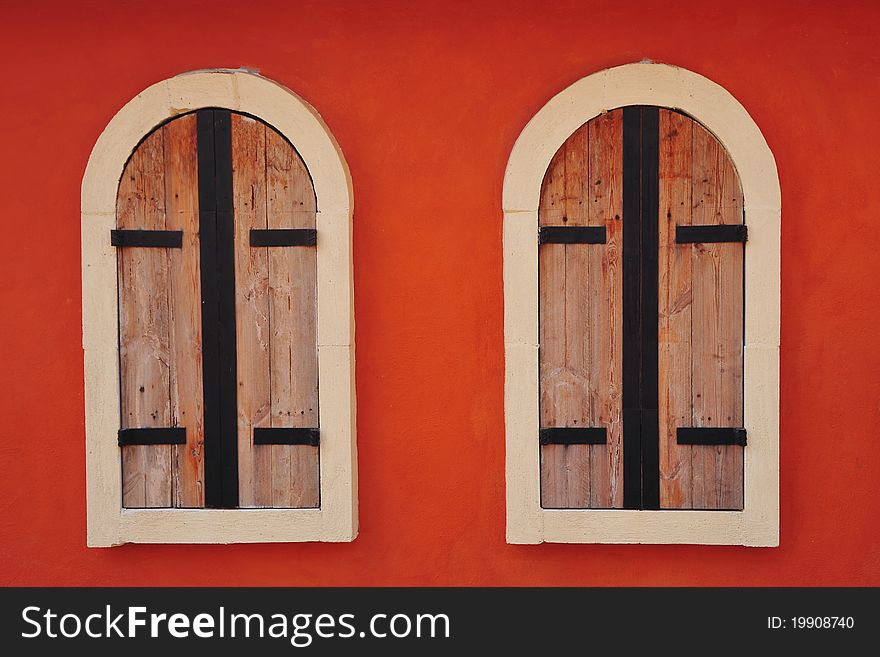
(661, 85)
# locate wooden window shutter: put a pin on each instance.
(701, 318)
(580, 314)
(217, 322)
(641, 262)
(276, 316)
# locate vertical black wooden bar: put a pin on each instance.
(210, 308)
(632, 457)
(228, 374)
(650, 192)
(217, 265)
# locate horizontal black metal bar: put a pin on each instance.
(285, 436)
(711, 436)
(284, 237)
(168, 239)
(152, 436)
(712, 233)
(572, 235)
(573, 436)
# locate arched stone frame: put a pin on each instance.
(336, 519)
(672, 87)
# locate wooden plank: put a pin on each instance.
(293, 322)
(573, 397)
(251, 310)
(716, 326)
(731, 334)
(604, 294)
(706, 376)
(182, 213)
(580, 305)
(674, 312)
(144, 319)
(564, 398)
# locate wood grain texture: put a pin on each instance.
(565, 400)
(700, 317)
(251, 310)
(276, 318)
(160, 321)
(716, 330)
(674, 311)
(579, 303)
(187, 401)
(293, 321)
(605, 297)
(144, 320)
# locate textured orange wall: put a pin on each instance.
(426, 100)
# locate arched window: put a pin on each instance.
(217, 346)
(647, 387)
(231, 282)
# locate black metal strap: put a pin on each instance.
(284, 237)
(571, 235)
(711, 233)
(152, 436)
(168, 239)
(711, 436)
(573, 436)
(285, 436)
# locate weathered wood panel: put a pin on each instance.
(276, 317)
(144, 320)
(580, 305)
(251, 310)
(565, 399)
(160, 320)
(700, 316)
(604, 292)
(293, 322)
(187, 400)
(674, 311)
(717, 319)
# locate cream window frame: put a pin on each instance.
(337, 518)
(672, 87)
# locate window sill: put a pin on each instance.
(225, 526)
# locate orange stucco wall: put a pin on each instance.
(426, 100)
